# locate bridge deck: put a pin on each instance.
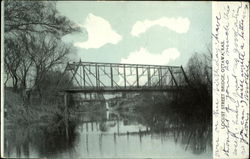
(122, 89)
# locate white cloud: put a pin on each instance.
(179, 25)
(143, 56)
(100, 33)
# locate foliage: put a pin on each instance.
(32, 39)
(199, 69)
(35, 17)
(50, 83)
(197, 101)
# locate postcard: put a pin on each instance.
(125, 79)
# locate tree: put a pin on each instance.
(12, 60)
(35, 16)
(45, 52)
(199, 69)
(208, 57)
(33, 31)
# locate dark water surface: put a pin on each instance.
(111, 134)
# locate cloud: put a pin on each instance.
(143, 56)
(179, 25)
(100, 33)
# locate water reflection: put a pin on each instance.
(40, 140)
(111, 134)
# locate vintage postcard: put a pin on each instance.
(124, 79)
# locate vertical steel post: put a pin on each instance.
(80, 74)
(111, 75)
(124, 74)
(160, 76)
(83, 71)
(149, 76)
(172, 80)
(96, 76)
(137, 76)
(164, 78)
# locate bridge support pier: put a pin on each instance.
(66, 114)
(65, 98)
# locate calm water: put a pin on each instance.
(111, 134)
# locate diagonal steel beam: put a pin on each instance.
(151, 77)
(122, 75)
(185, 76)
(74, 73)
(77, 81)
(138, 77)
(110, 78)
(89, 80)
(173, 77)
(160, 79)
(95, 77)
(82, 78)
(90, 84)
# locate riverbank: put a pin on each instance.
(16, 111)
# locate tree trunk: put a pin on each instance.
(15, 83)
(6, 80)
(39, 92)
(23, 83)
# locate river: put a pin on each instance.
(111, 134)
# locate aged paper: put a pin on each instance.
(230, 79)
(149, 121)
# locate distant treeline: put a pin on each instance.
(191, 104)
(196, 103)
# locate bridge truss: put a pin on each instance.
(108, 77)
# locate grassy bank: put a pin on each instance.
(19, 112)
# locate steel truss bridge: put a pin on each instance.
(94, 77)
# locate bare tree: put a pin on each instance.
(7, 76)
(45, 52)
(12, 60)
(33, 31)
(208, 65)
(199, 70)
(35, 16)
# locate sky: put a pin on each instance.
(162, 33)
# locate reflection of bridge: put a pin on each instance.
(90, 77)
